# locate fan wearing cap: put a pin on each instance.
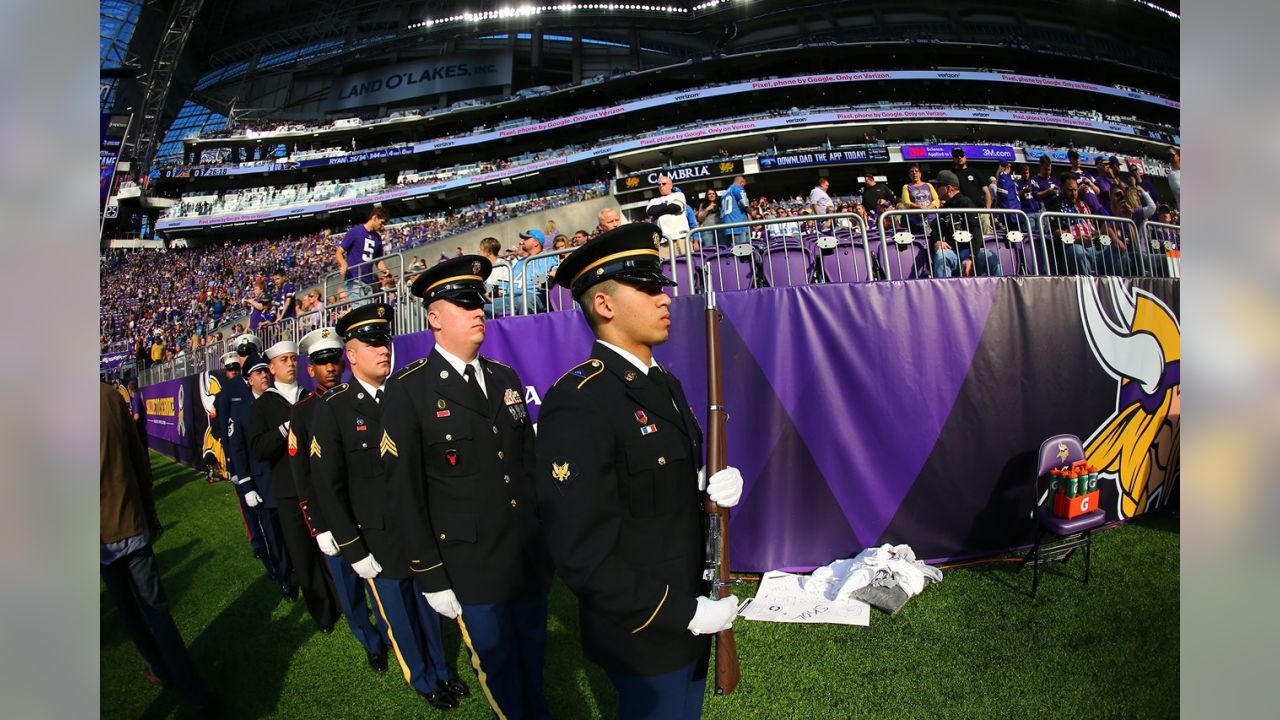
(1007, 190)
(253, 477)
(618, 486)
(952, 254)
(268, 443)
(324, 351)
(347, 447)
(532, 271)
(460, 453)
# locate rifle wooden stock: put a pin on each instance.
(727, 671)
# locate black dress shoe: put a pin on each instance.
(454, 688)
(326, 629)
(440, 700)
(378, 661)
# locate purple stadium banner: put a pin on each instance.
(175, 420)
(906, 412)
(943, 152)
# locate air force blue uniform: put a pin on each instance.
(232, 427)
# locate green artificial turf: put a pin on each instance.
(974, 646)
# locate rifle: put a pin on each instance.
(728, 671)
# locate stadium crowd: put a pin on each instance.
(160, 304)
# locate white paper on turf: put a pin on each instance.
(782, 598)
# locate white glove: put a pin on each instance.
(368, 568)
(702, 479)
(444, 602)
(284, 429)
(712, 616)
(725, 487)
(327, 544)
(252, 499)
(235, 480)
(241, 480)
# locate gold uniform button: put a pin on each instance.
(513, 503)
(442, 536)
(662, 461)
(448, 437)
(506, 479)
(499, 454)
(364, 445)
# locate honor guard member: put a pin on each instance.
(233, 400)
(458, 445)
(253, 477)
(323, 349)
(268, 442)
(618, 484)
(354, 494)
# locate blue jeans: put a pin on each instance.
(946, 263)
(133, 582)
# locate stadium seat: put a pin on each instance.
(680, 273)
(906, 256)
(732, 268)
(839, 259)
(1057, 537)
(787, 262)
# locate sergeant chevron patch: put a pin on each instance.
(315, 447)
(387, 446)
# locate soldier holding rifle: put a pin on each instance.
(618, 486)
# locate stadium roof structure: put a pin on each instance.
(189, 66)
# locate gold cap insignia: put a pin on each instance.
(382, 312)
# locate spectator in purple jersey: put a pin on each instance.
(1007, 188)
(1027, 191)
(918, 194)
(284, 296)
(1084, 180)
(359, 248)
(1106, 175)
(259, 310)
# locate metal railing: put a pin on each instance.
(797, 250)
(921, 243)
(1084, 244)
(335, 283)
(1165, 239)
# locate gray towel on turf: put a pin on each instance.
(888, 599)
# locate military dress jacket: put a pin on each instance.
(300, 460)
(349, 481)
(616, 478)
(254, 475)
(268, 438)
(462, 465)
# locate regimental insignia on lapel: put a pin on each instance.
(387, 446)
(293, 443)
(315, 447)
(630, 375)
(561, 472)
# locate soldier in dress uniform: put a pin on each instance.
(233, 400)
(619, 486)
(323, 349)
(459, 449)
(268, 438)
(354, 494)
(253, 478)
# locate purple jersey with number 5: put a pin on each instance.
(361, 247)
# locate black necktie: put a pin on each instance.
(470, 372)
(660, 378)
(377, 396)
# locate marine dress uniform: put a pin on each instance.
(322, 345)
(268, 438)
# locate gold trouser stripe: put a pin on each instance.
(404, 667)
(475, 663)
(655, 611)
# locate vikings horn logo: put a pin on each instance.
(1140, 346)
